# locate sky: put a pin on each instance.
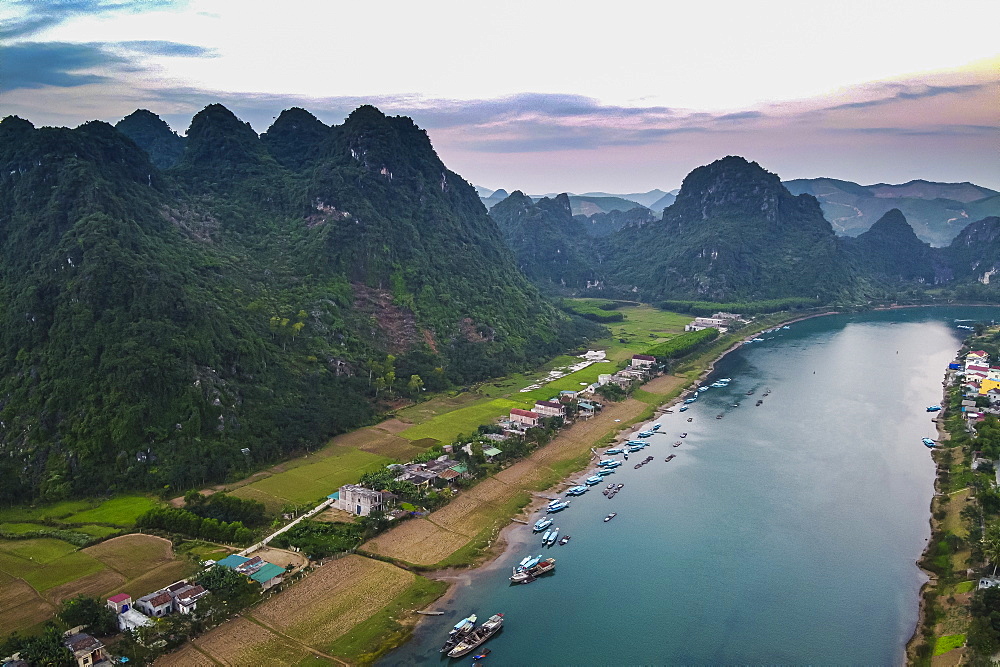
(549, 96)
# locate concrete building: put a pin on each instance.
(359, 500)
(642, 361)
(524, 417)
(156, 605)
(549, 409)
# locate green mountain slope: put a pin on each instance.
(154, 136)
(550, 245)
(733, 233)
(157, 323)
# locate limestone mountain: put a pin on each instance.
(549, 244)
(975, 253)
(153, 135)
(158, 322)
(891, 251)
(733, 232)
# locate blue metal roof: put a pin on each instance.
(232, 561)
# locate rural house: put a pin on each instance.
(156, 604)
(264, 573)
(129, 618)
(642, 361)
(86, 650)
(186, 596)
(359, 500)
(526, 418)
(549, 408)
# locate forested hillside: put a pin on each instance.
(167, 327)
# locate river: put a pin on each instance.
(784, 533)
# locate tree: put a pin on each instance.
(991, 545)
(89, 612)
(415, 385)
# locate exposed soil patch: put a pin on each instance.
(395, 326)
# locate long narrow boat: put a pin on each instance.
(553, 537)
(477, 636)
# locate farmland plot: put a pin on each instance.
(416, 541)
(133, 555)
(334, 599)
(243, 642)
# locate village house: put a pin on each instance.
(156, 605)
(129, 618)
(549, 409)
(642, 361)
(264, 573)
(442, 468)
(86, 650)
(526, 418)
(359, 500)
(700, 323)
(186, 596)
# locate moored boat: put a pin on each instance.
(605, 471)
(614, 450)
(594, 479)
(558, 506)
(458, 631)
(656, 427)
(542, 524)
(933, 408)
(474, 639)
(576, 491)
(677, 444)
(552, 538)
(610, 463)
(929, 442)
(563, 540)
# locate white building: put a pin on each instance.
(359, 500)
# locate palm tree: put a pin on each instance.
(991, 545)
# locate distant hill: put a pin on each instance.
(647, 199)
(585, 205)
(666, 200)
(936, 211)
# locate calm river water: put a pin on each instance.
(784, 533)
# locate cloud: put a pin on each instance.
(34, 64)
(929, 131)
(911, 92)
(163, 48)
(38, 15)
(66, 64)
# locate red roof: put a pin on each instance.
(549, 404)
(524, 413)
(121, 597)
(643, 357)
(159, 600)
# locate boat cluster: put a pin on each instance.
(643, 462)
(612, 490)
(465, 637)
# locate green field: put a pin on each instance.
(121, 511)
(20, 528)
(644, 326)
(448, 426)
(37, 551)
(312, 481)
(63, 570)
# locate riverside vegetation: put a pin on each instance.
(959, 619)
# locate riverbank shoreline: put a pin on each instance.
(930, 587)
(503, 545)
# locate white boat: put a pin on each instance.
(553, 537)
(545, 537)
(542, 524)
